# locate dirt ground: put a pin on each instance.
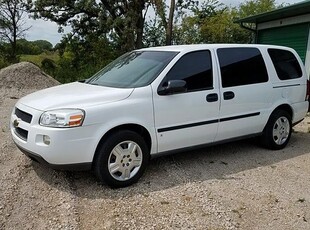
(233, 186)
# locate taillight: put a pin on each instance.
(308, 90)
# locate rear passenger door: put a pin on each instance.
(189, 118)
(244, 92)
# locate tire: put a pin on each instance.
(278, 130)
(121, 159)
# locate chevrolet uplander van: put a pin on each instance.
(162, 100)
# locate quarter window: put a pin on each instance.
(241, 66)
(195, 68)
(285, 63)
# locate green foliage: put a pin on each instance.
(252, 7)
(5, 55)
(65, 68)
(82, 58)
(154, 34)
(26, 47)
(37, 59)
(103, 30)
(169, 14)
(49, 66)
(188, 32)
(43, 45)
(120, 20)
(220, 28)
(190, 29)
(3, 63)
(12, 26)
(33, 47)
(65, 72)
(214, 23)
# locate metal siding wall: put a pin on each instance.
(294, 36)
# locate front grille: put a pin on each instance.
(23, 134)
(26, 117)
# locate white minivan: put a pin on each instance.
(161, 100)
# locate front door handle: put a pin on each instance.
(229, 95)
(212, 97)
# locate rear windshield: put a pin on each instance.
(133, 69)
(285, 63)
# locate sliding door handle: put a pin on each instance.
(229, 95)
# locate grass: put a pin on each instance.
(37, 59)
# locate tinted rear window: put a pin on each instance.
(285, 63)
(241, 66)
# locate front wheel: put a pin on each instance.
(278, 130)
(121, 159)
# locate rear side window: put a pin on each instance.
(195, 68)
(285, 63)
(241, 66)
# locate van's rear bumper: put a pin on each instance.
(299, 111)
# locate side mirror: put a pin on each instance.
(173, 86)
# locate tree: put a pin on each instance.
(169, 15)
(188, 32)
(43, 45)
(220, 28)
(154, 35)
(12, 24)
(253, 7)
(26, 47)
(33, 47)
(100, 31)
(167, 22)
(191, 29)
(214, 23)
(120, 21)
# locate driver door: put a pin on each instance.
(189, 118)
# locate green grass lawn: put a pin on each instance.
(37, 59)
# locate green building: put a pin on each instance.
(287, 26)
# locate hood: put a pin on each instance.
(74, 95)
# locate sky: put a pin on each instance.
(47, 30)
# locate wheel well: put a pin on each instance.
(132, 127)
(286, 108)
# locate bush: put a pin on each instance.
(48, 65)
(3, 63)
(66, 73)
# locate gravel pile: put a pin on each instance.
(25, 75)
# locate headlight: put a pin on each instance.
(62, 118)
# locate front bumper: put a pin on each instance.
(68, 167)
(69, 148)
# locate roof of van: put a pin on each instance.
(180, 48)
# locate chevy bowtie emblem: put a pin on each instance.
(15, 123)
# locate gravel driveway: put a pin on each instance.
(233, 186)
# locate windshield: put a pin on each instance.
(134, 69)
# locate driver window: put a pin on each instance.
(195, 69)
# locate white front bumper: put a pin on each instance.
(67, 145)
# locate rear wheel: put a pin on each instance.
(121, 159)
(278, 130)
